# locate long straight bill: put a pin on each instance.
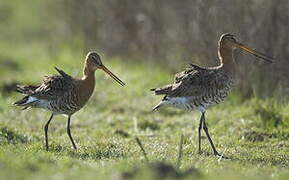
(256, 53)
(113, 76)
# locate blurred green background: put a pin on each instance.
(144, 43)
(166, 32)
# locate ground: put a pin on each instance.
(253, 133)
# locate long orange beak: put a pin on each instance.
(112, 75)
(255, 53)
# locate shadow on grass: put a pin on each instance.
(99, 152)
(255, 136)
(160, 170)
(8, 88)
(9, 63)
(252, 159)
(8, 136)
(247, 158)
(273, 162)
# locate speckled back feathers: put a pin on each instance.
(197, 87)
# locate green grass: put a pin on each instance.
(253, 133)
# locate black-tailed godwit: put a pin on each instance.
(200, 87)
(63, 94)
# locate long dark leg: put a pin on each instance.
(208, 135)
(46, 131)
(69, 134)
(199, 133)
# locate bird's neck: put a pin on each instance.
(87, 84)
(88, 76)
(227, 61)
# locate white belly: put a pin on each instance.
(184, 103)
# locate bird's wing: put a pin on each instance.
(188, 72)
(63, 74)
(195, 81)
(54, 86)
(26, 89)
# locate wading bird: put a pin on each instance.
(63, 94)
(200, 87)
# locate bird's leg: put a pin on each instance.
(46, 131)
(208, 135)
(199, 133)
(69, 134)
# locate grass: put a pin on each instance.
(253, 133)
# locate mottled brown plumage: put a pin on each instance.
(200, 87)
(193, 83)
(63, 94)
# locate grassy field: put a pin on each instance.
(253, 133)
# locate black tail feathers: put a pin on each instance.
(21, 101)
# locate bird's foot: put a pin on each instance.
(220, 156)
(74, 147)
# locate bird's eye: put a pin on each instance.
(94, 58)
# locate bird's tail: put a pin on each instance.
(159, 105)
(162, 91)
(156, 107)
(26, 102)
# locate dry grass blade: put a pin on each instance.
(180, 154)
(141, 147)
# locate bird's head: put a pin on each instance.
(93, 62)
(229, 40)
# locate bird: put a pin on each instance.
(62, 93)
(198, 88)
